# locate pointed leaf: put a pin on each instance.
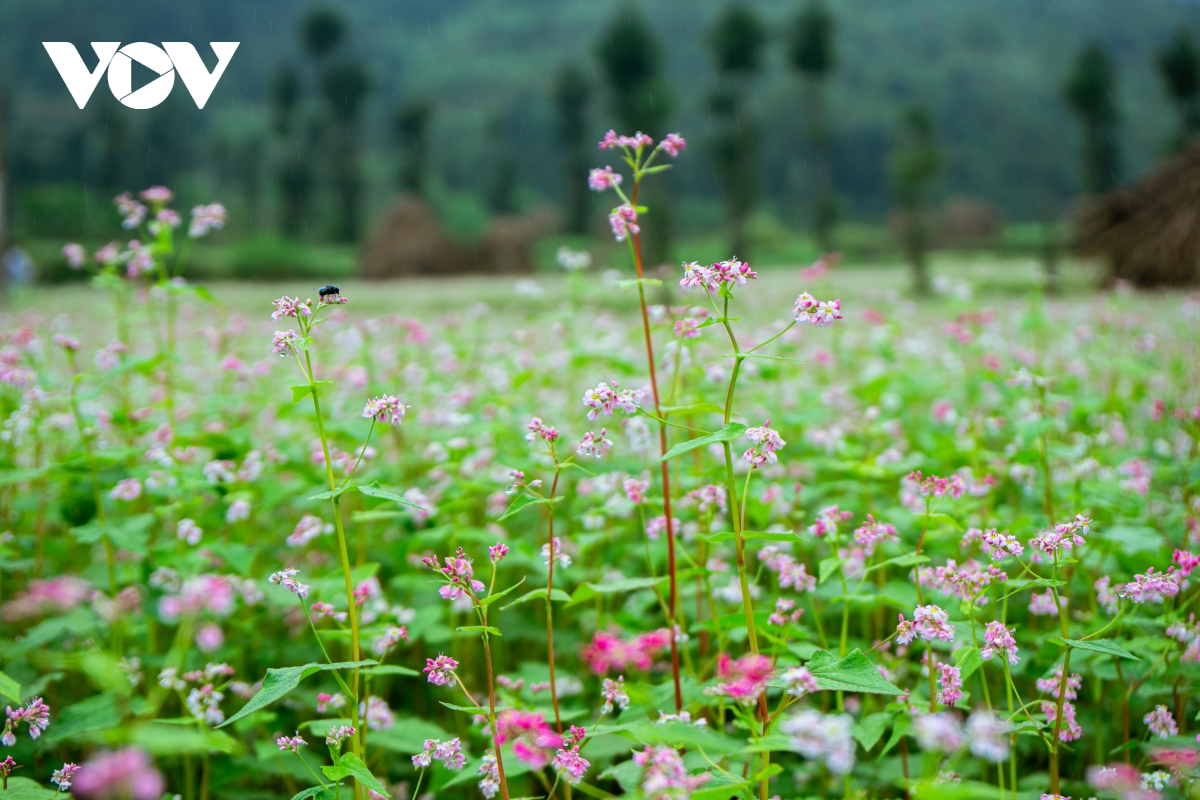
(299, 392)
(279, 682)
(538, 594)
(854, 673)
(487, 601)
(967, 659)
(826, 567)
(479, 629)
(350, 765)
(10, 688)
(373, 489)
(313, 793)
(733, 430)
(523, 502)
(330, 494)
(1104, 646)
(869, 729)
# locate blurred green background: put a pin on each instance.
(811, 126)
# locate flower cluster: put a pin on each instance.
(721, 275)
(817, 312)
(767, 443)
(604, 399)
(743, 680)
(450, 753)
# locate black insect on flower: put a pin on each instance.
(328, 291)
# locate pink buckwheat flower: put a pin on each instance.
(286, 343)
(206, 219)
(129, 489)
(1161, 723)
(187, 530)
(290, 307)
(122, 774)
(623, 221)
(75, 254)
(497, 551)
(635, 490)
(818, 312)
(1151, 586)
(594, 444)
(1185, 561)
(823, 736)
(1070, 729)
(291, 744)
(873, 533)
(999, 641)
(441, 670)
(930, 623)
(949, 684)
(386, 409)
(339, 734)
(600, 180)
(673, 144)
(743, 680)
(1053, 683)
(63, 775)
(533, 740)
(1043, 605)
(287, 579)
(799, 681)
(664, 777)
(603, 400)
(828, 520)
(614, 694)
(766, 443)
(987, 735)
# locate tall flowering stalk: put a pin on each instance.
(626, 228)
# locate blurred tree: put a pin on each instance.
(630, 59)
(1091, 91)
(294, 169)
(344, 86)
(4, 188)
(502, 180)
(571, 94)
(914, 165)
(322, 30)
(248, 162)
(811, 53)
(1179, 67)
(737, 40)
(412, 132)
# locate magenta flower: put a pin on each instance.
(743, 680)
(594, 444)
(607, 651)
(339, 734)
(533, 740)
(1152, 586)
(1052, 684)
(497, 551)
(63, 775)
(122, 774)
(603, 400)
(286, 343)
(635, 490)
(441, 670)
(571, 765)
(664, 777)
(602, 179)
(873, 533)
(673, 144)
(930, 623)
(818, 312)
(610, 141)
(1070, 730)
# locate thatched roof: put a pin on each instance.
(1148, 231)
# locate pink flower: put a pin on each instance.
(828, 520)
(1064, 536)
(571, 765)
(1138, 474)
(939, 733)
(937, 487)
(129, 489)
(609, 141)
(635, 490)
(533, 740)
(209, 637)
(623, 220)
(930, 623)
(291, 743)
(286, 343)
(386, 409)
(603, 400)
(287, 579)
(710, 497)
(609, 652)
(823, 736)
(949, 684)
(1118, 777)
(186, 530)
(157, 195)
(799, 681)
(441, 670)
(337, 735)
(743, 680)
(122, 774)
(63, 775)
(1159, 721)
(664, 777)
(133, 211)
(601, 179)
(873, 533)
(60, 594)
(783, 613)
(207, 218)
(766, 443)
(1185, 561)
(1070, 730)
(987, 735)
(614, 694)
(999, 641)
(1053, 683)
(290, 307)
(1043, 605)
(673, 144)
(489, 783)
(75, 254)
(1151, 587)
(818, 312)
(656, 526)
(594, 444)
(497, 551)
(327, 701)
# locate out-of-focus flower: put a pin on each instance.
(823, 736)
(623, 220)
(987, 735)
(603, 179)
(207, 218)
(940, 732)
(125, 774)
(386, 409)
(75, 254)
(743, 680)
(614, 694)
(664, 777)
(1160, 722)
(287, 579)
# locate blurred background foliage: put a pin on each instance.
(860, 126)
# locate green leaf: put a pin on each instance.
(26, 789)
(773, 536)
(538, 594)
(467, 709)
(681, 734)
(903, 725)
(967, 790)
(487, 601)
(373, 489)
(733, 430)
(162, 738)
(479, 629)
(331, 494)
(854, 673)
(589, 590)
(97, 713)
(869, 729)
(10, 688)
(949, 520)
(826, 567)
(313, 793)
(350, 765)
(390, 669)
(967, 659)
(279, 682)
(299, 392)
(523, 502)
(1104, 646)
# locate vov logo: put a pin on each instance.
(164, 61)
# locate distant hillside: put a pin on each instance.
(989, 69)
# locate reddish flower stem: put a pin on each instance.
(666, 476)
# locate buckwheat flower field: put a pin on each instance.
(714, 535)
